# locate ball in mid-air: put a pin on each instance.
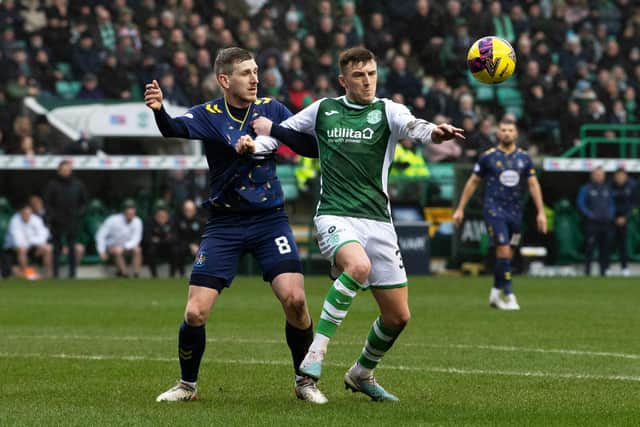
(491, 60)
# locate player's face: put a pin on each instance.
(241, 86)
(507, 134)
(359, 81)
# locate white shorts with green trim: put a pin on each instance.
(378, 239)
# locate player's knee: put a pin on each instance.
(116, 250)
(398, 320)
(359, 269)
(195, 316)
(295, 304)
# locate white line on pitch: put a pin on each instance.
(409, 344)
(434, 369)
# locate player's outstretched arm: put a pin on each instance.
(301, 143)
(445, 132)
(469, 188)
(168, 126)
(536, 195)
(406, 125)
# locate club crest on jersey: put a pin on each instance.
(201, 258)
(374, 117)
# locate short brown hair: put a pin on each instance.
(508, 121)
(355, 55)
(228, 57)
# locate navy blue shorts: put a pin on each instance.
(503, 231)
(267, 236)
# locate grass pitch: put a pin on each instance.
(99, 352)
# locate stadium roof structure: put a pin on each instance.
(80, 119)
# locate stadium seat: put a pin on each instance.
(68, 89)
(94, 216)
(442, 174)
(509, 96)
(65, 69)
(287, 177)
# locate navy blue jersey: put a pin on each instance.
(238, 183)
(504, 175)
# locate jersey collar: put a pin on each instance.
(350, 104)
(242, 122)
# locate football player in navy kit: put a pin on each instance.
(246, 215)
(504, 169)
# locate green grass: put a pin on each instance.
(98, 353)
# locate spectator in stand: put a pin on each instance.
(27, 236)
(173, 93)
(595, 203)
(44, 72)
(119, 236)
(572, 119)
(519, 20)
(58, 30)
(90, 89)
(446, 151)
(378, 38)
(401, 81)
(483, 139)
(439, 100)
(188, 228)
(114, 81)
(105, 30)
(65, 200)
(479, 24)
(426, 34)
(86, 57)
(159, 241)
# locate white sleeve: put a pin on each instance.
(305, 120)
(403, 124)
(16, 234)
(136, 234)
(101, 235)
(42, 232)
(264, 145)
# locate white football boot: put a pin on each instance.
(177, 393)
(510, 303)
(495, 300)
(307, 389)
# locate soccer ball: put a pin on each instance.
(491, 60)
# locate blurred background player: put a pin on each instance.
(504, 169)
(246, 215)
(27, 235)
(65, 199)
(623, 189)
(120, 235)
(595, 202)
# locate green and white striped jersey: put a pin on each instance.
(356, 145)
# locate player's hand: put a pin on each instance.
(445, 132)
(458, 216)
(262, 126)
(245, 144)
(153, 95)
(541, 220)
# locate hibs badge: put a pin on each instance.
(374, 117)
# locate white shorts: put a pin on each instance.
(378, 239)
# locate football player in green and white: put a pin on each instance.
(356, 136)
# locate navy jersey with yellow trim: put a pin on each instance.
(505, 176)
(238, 183)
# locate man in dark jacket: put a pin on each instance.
(623, 189)
(188, 228)
(159, 240)
(595, 202)
(65, 199)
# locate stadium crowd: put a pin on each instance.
(578, 60)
